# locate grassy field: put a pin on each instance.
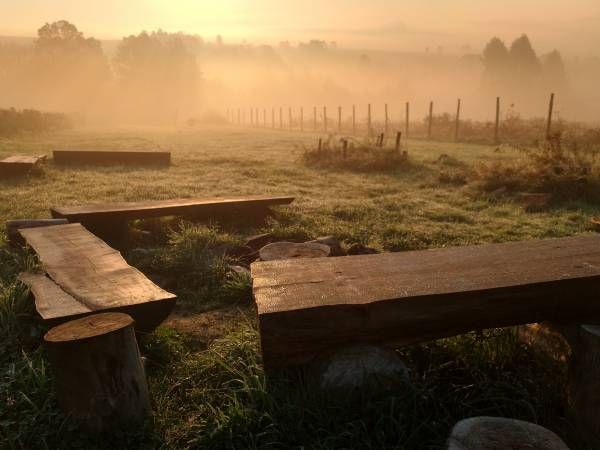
(207, 383)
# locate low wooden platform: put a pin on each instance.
(112, 157)
(15, 166)
(162, 208)
(84, 275)
(310, 307)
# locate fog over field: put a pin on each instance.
(357, 55)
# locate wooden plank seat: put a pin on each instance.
(83, 275)
(14, 166)
(161, 208)
(314, 306)
(112, 157)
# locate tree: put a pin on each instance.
(525, 62)
(496, 62)
(554, 70)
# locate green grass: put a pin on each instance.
(207, 383)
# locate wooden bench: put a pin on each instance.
(310, 307)
(161, 208)
(112, 157)
(83, 275)
(14, 166)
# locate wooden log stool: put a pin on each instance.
(98, 371)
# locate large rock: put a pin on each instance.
(289, 250)
(362, 366)
(332, 243)
(259, 241)
(499, 433)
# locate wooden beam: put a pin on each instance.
(309, 307)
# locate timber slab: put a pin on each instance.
(15, 166)
(161, 208)
(314, 306)
(85, 275)
(112, 157)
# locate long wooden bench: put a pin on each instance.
(161, 208)
(112, 157)
(314, 306)
(82, 275)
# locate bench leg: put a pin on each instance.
(113, 232)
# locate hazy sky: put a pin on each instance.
(572, 26)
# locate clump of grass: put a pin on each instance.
(349, 154)
(564, 169)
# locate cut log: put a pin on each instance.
(499, 433)
(95, 275)
(290, 250)
(584, 383)
(14, 166)
(13, 227)
(309, 307)
(98, 372)
(112, 157)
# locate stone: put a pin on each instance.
(500, 433)
(259, 241)
(332, 243)
(362, 366)
(359, 249)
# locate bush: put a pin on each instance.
(13, 122)
(356, 156)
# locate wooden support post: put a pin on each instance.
(398, 138)
(98, 371)
(369, 120)
(354, 120)
(339, 119)
(497, 125)
(301, 119)
(456, 126)
(430, 122)
(407, 120)
(325, 119)
(550, 111)
(386, 125)
(314, 118)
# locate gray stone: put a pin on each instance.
(359, 249)
(499, 433)
(362, 366)
(332, 243)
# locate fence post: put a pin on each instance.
(430, 120)
(354, 120)
(339, 119)
(457, 120)
(325, 119)
(398, 137)
(497, 126)
(550, 111)
(386, 120)
(407, 119)
(301, 119)
(369, 120)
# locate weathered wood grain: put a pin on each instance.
(13, 227)
(112, 157)
(162, 208)
(307, 307)
(95, 275)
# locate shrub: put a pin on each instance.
(13, 122)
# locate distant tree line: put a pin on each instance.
(13, 122)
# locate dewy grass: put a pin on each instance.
(211, 391)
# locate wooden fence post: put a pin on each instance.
(301, 119)
(430, 120)
(339, 119)
(325, 119)
(456, 127)
(386, 126)
(398, 138)
(369, 120)
(354, 120)
(550, 111)
(497, 126)
(407, 120)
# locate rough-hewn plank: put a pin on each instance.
(95, 275)
(19, 165)
(311, 306)
(161, 208)
(112, 157)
